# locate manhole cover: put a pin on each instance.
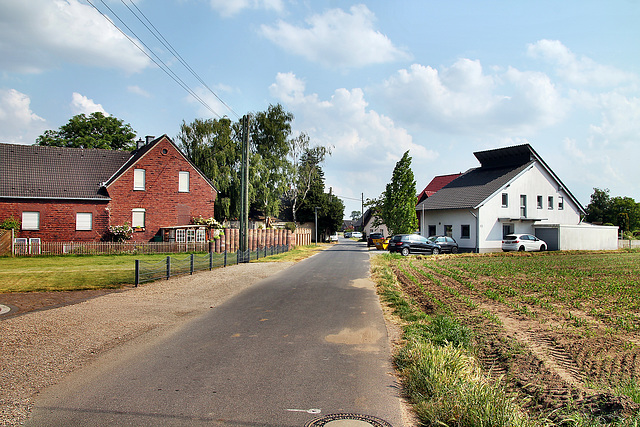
(347, 420)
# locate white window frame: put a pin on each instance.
(550, 202)
(135, 219)
(560, 203)
(191, 235)
(523, 206)
(30, 220)
(139, 179)
(540, 202)
(181, 235)
(183, 182)
(200, 235)
(84, 221)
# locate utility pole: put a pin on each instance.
(244, 182)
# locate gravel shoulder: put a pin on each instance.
(38, 348)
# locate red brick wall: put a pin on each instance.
(58, 218)
(164, 205)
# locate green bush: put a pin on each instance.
(10, 223)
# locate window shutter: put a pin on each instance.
(84, 221)
(183, 184)
(31, 220)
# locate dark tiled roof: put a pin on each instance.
(472, 188)
(56, 172)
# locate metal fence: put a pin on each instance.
(146, 271)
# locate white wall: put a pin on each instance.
(588, 237)
(454, 217)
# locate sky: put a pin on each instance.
(370, 79)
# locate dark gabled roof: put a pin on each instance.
(498, 168)
(472, 188)
(436, 184)
(32, 171)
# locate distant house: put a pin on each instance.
(513, 191)
(365, 223)
(72, 194)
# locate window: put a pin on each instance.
(31, 220)
(550, 202)
(448, 230)
(84, 221)
(200, 235)
(506, 230)
(560, 203)
(505, 200)
(465, 231)
(180, 235)
(432, 230)
(523, 206)
(183, 182)
(191, 235)
(137, 217)
(139, 179)
(539, 202)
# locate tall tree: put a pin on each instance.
(397, 205)
(329, 207)
(212, 145)
(93, 131)
(599, 208)
(305, 166)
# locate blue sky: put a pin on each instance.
(369, 79)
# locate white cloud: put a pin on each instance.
(139, 91)
(362, 140)
(18, 123)
(228, 8)
(337, 39)
(576, 70)
(464, 99)
(620, 126)
(41, 34)
(211, 100)
(80, 104)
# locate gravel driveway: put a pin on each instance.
(38, 349)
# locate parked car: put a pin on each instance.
(373, 237)
(446, 243)
(347, 234)
(523, 242)
(333, 238)
(356, 235)
(412, 244)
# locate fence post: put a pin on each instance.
(168, 267)
(238, 257)
(137, 273)
(191, 266)
(210, 261)
(225, 256)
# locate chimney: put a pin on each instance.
(149, 138)
(139, 144)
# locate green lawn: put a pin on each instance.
(71, 272)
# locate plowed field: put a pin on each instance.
(562, 330)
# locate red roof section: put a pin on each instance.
(436, 184)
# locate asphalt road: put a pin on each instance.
(302, 344)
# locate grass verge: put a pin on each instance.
(83, 272)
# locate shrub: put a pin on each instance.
(118, 233)
(10, 223)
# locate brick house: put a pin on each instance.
(72, 194)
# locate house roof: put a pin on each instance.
(32, 171)
(498, 168)
(436, 184)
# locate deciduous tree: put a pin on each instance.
(93, 131)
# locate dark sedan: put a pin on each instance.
(412, 244)
(446, 243)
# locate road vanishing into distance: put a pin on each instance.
(305, 343)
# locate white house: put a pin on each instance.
(513, 191)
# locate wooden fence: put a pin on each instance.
(258, 239)
(6, 237)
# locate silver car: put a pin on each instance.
(523, 242)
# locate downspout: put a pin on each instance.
(477, 248)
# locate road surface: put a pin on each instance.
(307, 342)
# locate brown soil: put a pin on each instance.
(551, 364)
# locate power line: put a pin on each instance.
(164, 67)
(158, 35)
